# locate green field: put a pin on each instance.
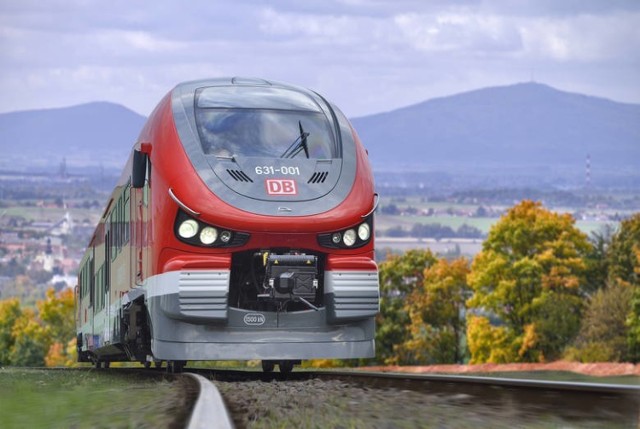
(38, 398)
(455, 215)
(50, 214)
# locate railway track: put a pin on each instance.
(360, 399)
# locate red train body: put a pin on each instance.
(241, 228)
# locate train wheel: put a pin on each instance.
(98, 364)
(158, 364)
(107, 364)
(286, 366)
(147, 364)
(175, 366)
(268, 365)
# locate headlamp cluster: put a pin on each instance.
(192, 231)
(349, 238)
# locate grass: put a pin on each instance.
(38, 398)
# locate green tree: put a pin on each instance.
(603, 333)
(436, 313)
(597, 260)
(10, 312)
(623, 252)
(624, 266)
(400, 275)
(528, 275)
(31, 342)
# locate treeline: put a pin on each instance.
(539, 290)
(434, 230)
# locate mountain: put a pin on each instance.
(525, 126)
(523, 130)
(98, 133)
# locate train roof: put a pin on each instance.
(228, 129)
(242, 92)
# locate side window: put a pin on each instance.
(147, 185)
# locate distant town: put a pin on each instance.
(46, 220)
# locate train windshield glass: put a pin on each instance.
(262, 122)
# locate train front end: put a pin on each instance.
(260, 226)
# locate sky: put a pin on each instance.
(367, 56)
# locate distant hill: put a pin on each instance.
(524, 126)
(98, 133)
(526, 129)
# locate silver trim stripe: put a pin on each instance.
(352, 281)
(353, 294)
(203, 291)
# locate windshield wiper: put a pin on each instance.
(298, 144)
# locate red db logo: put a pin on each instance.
(281, 187)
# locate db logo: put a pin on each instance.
(281, 187)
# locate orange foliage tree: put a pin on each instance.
(527, 280)
(436, 309)
(57, 315)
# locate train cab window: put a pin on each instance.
(262, 122)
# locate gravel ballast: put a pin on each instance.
(335, 403)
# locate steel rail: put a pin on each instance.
(209, 410)
(626, 389)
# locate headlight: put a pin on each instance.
(349, 237)
(196, 232)
(364, 231)
(353, 237)
(208, 235)
(188, 228)
(225, 236)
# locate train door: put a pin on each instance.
(92, 299)
(108, 256)
(140, 233)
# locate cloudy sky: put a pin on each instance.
(367, 56)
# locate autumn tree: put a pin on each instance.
(399, 277)
(527, 276)
(435, 310)
(28, 338)
(57, 315)
(30, 341)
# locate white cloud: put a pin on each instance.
(324, 29)
(367, 56)
(139, 41)
(458, 32)
(584, 38)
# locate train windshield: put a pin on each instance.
(262, 122)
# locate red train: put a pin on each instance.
(241, 228)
